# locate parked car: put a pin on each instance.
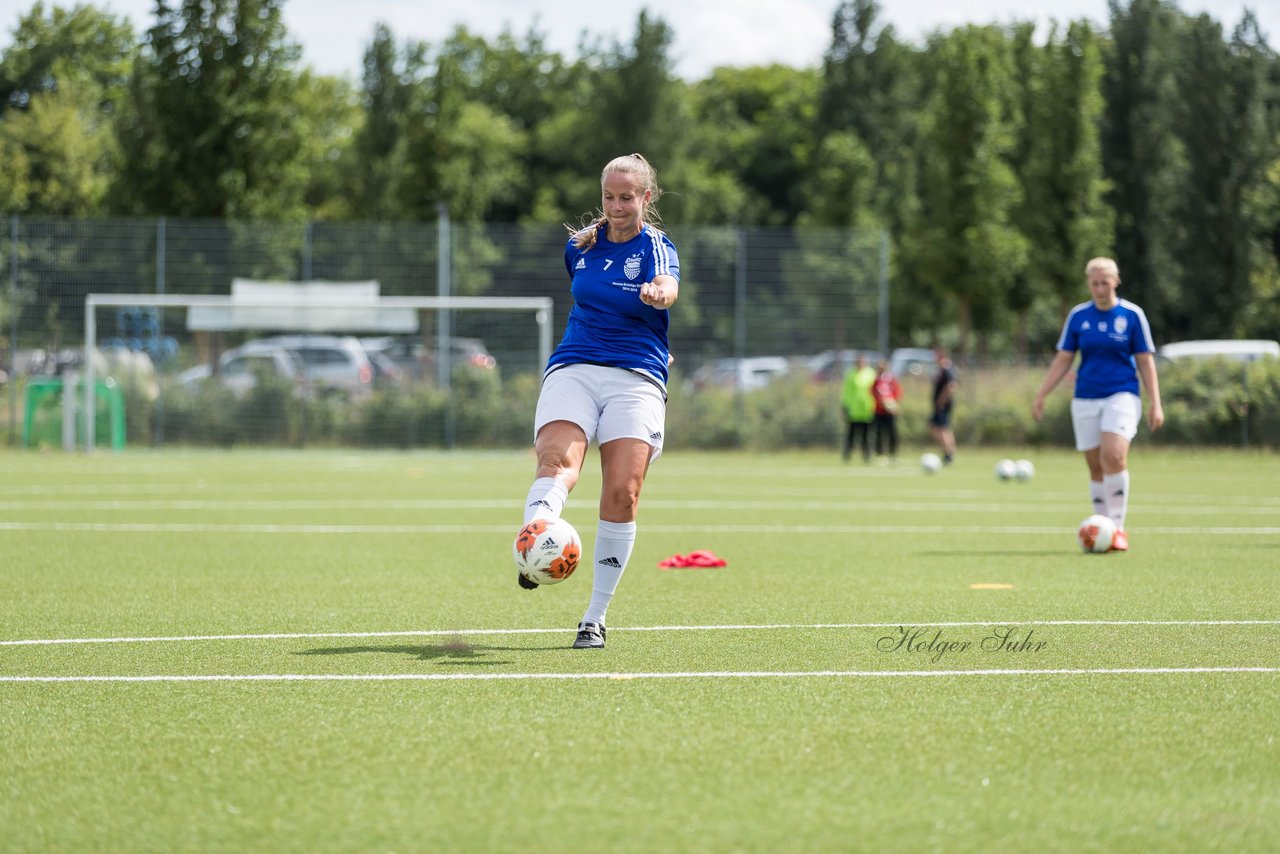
(913, 362)
(330, 363)
(1234, 350)
(240, 368)
(832, 365)
(741, 374)
(417, 357)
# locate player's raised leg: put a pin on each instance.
(560, 448)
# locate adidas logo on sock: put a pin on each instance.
(611, 562)
(541, 503)
(1118, 493)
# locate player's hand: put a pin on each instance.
(1155, 417)
(1037, 408)
(655, 295)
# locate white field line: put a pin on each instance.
(236, 528)
(561, 630)
(1044, 505)
(691, 674)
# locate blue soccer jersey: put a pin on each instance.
(608, 324)
(1107, 342)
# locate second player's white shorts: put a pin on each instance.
(1091, 417)
(607, 403)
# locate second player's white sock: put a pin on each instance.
(614, 541)
(546, 500)
(1117, 489)
(1098, 494)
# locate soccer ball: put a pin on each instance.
(1024, 470)
(547, 551)
(1095, 534)
(1006, 470)
(930, 463)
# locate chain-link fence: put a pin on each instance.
(755, 304)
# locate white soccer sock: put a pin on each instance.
(546, 500)
(1117, 489)
(1098, 494)
(614, 541)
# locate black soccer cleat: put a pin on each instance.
(590, 636)
(526, 582)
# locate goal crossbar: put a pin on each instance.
(540, 306)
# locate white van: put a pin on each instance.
(1233, 350)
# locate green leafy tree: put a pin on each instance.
(61, 80)
(52, 48)
(1058, 160)
(390, 96)
(965, 234)
(1227, 120)
(215, 128)
(753, 143)
(1142, 153)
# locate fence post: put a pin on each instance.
(157, 436)
(883, 326)
(13, 329)
(444, 287)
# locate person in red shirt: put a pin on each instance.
(887, 391)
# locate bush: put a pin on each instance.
(1206, 403)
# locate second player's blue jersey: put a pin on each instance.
(608, 324)
(1107, 342)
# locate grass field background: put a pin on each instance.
(327, 651)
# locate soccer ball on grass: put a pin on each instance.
(931, 463)
(1024, 470)
(1006, 470)
(547, 551)
(1096, 534)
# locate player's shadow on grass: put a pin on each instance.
(455, 652)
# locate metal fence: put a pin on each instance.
(745, 293)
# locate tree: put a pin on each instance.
(965, 237)
(1142, 154)
(50, 49)
(390, 96)
(1058, 161)
(1226, 119)
(60, 82)
(215, 128)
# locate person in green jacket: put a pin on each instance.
(859, 406)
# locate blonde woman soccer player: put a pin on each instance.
(607, 380)
(1116, 349)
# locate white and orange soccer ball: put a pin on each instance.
(547, 551)
(1096, 534)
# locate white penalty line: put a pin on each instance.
(687, 674)
(427, 633)
(236, 528)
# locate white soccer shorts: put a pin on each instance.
(1091, 417)
(607, 403)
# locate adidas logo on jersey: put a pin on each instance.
(581, 265)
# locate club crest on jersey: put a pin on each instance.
(1121, 325)
(632, 267)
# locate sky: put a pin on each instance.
(708, 33)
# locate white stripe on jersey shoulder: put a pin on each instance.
(1142, 321)
(661, 254)
(1066, 324)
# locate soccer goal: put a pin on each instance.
(231, 342)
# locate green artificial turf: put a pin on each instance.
(889, 660)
